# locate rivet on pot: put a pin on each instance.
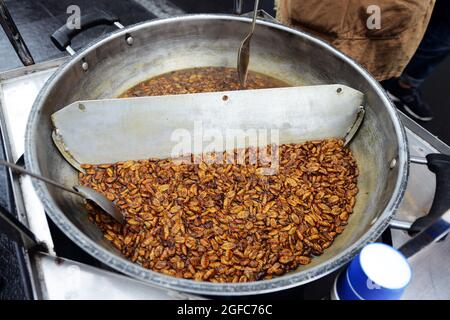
(393, 163)
(85, 65)
(130, 40)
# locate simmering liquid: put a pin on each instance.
(196, 80)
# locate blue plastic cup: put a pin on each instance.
(379, 272)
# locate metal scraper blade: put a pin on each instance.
(113, 130)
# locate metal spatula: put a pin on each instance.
(81, 191)
(113, 130)
(244, 50)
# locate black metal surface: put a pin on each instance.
(14, 278)
(316, 290)
(15, 230)
(38, 19)
(223, 6)
(65, 248)
(14, 36)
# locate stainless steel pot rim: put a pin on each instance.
(206, 288)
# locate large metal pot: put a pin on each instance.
(111, 65)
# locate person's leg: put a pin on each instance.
(433, 49)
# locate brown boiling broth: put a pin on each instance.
(197, 80)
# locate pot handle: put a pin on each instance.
(439, 164)
(435, 232)
(63, 36)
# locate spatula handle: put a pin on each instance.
(19, 169)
